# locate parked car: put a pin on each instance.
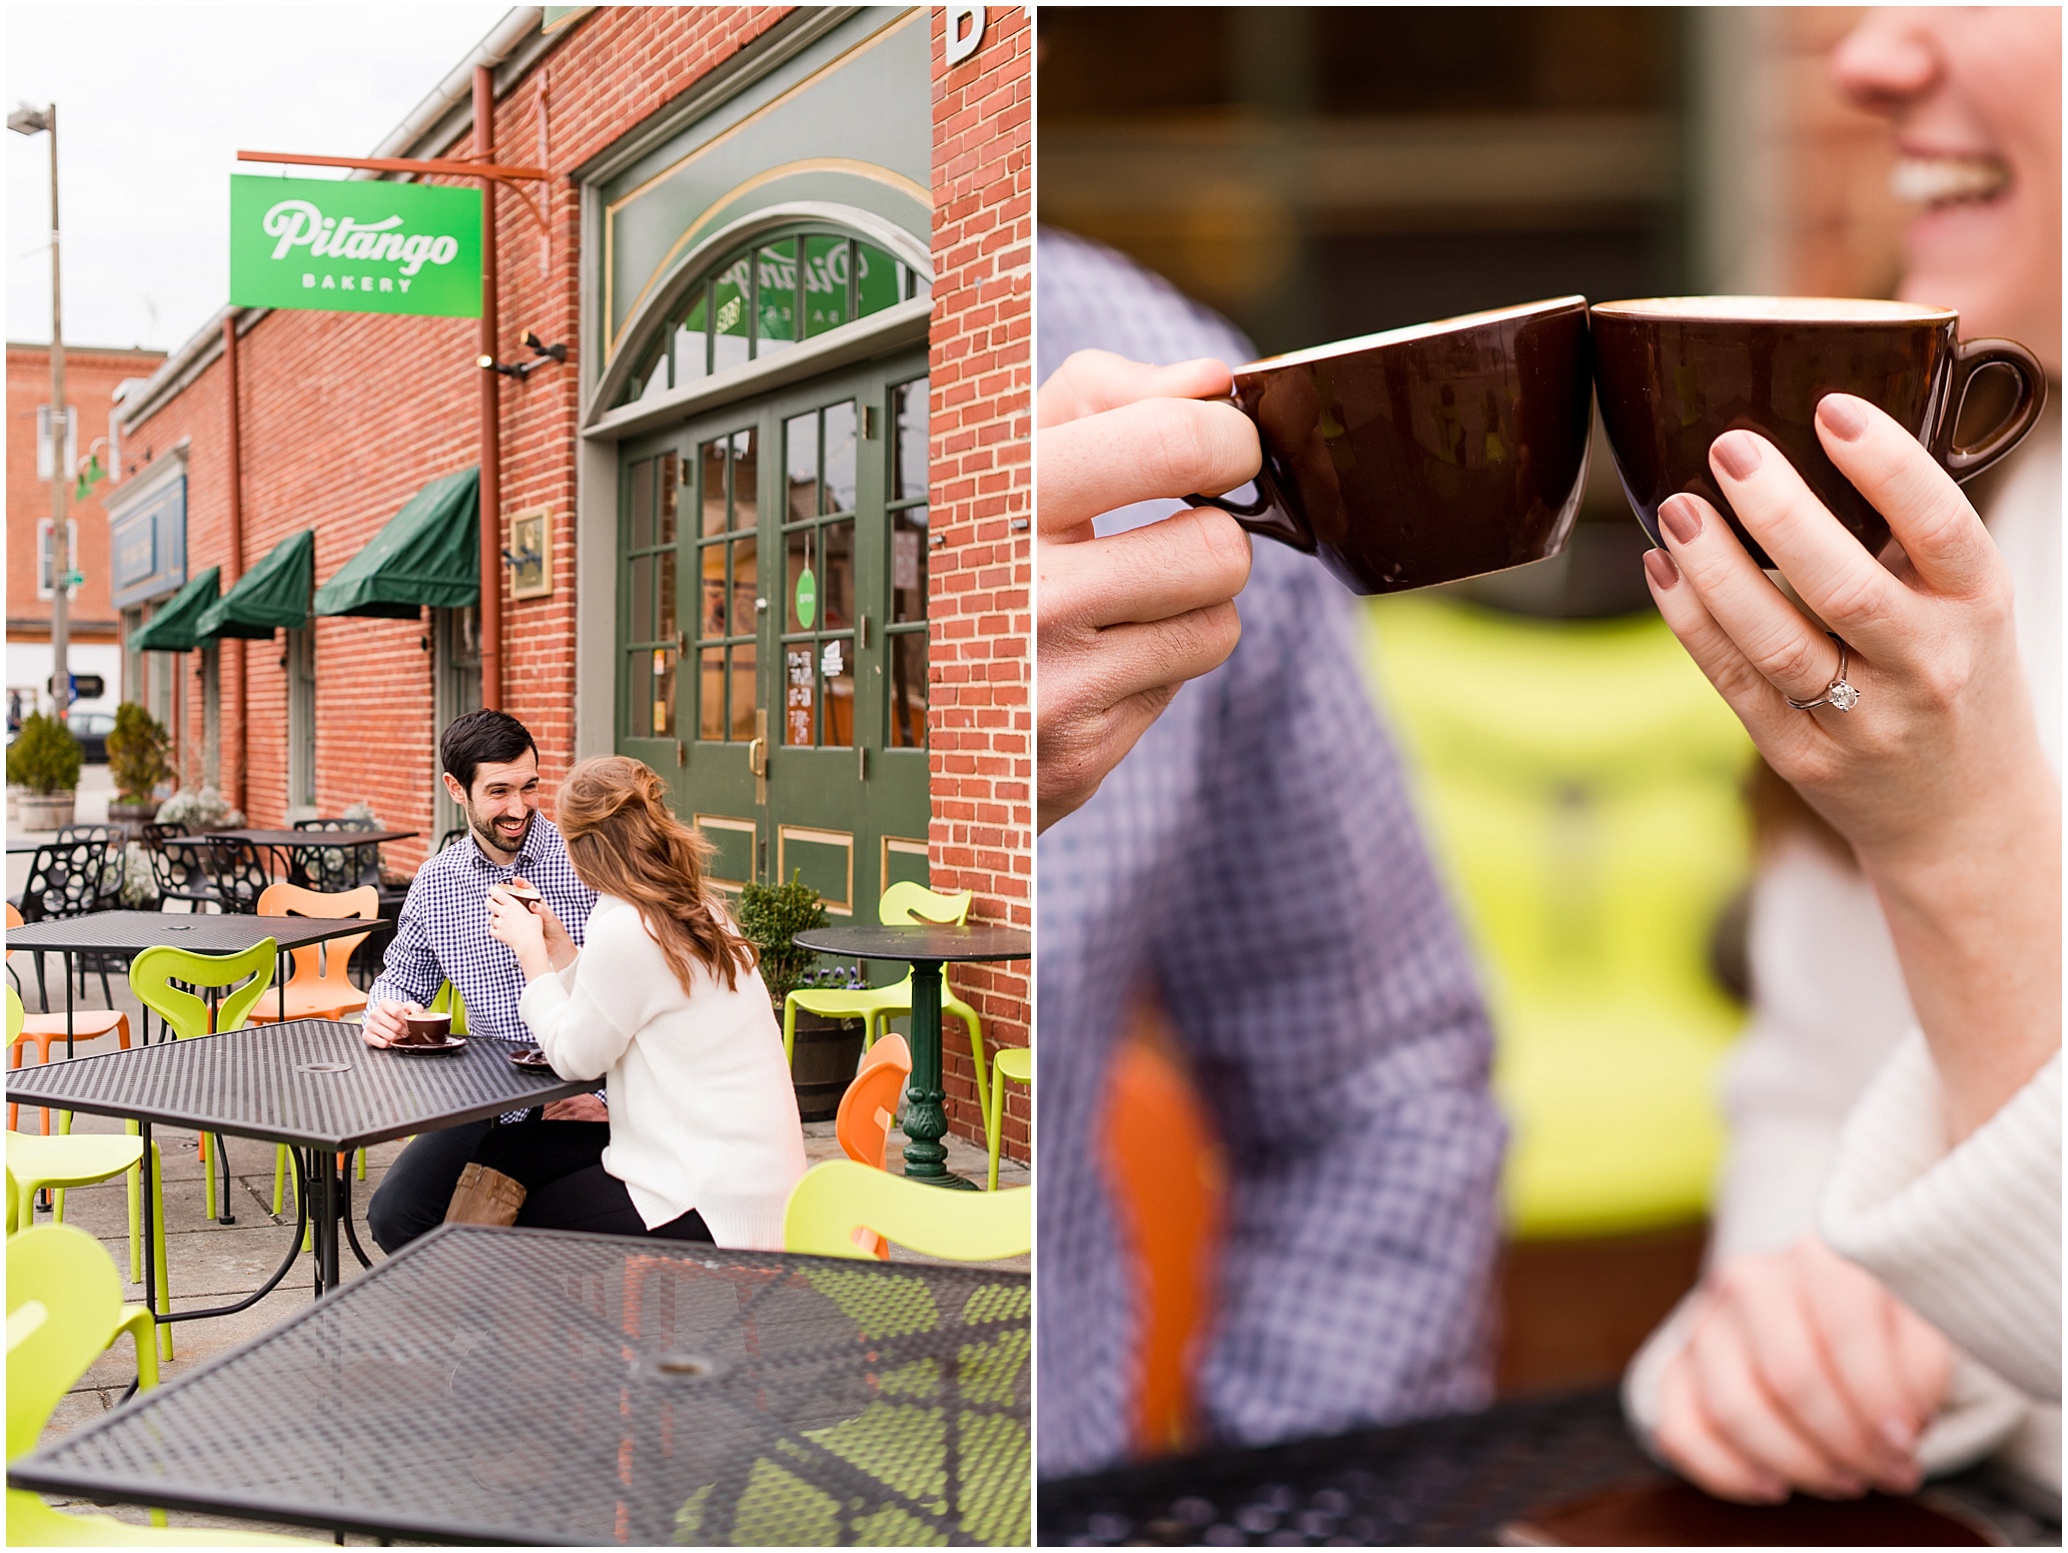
(91, 729)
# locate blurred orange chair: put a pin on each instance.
(1169, 1182)
(866, 1113)
(319, 988)
(48, 1030)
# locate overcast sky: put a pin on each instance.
(154, 102)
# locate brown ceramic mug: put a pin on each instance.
(1427, 454)
(1675, 373)
(427, 1029)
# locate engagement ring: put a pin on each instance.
(1837, 694)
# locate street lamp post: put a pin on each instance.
(32, 121)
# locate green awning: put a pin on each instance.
(272, 594)
(429, 553)
(175, 626)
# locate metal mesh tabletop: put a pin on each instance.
(314, 1083)
(921, 941)
(1444, 1481)
(532, 1386)
(132, 932)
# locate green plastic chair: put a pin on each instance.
(1015, 1063)
(903, 902)
(64, 1307)
(840, 1196)
(1580, 784)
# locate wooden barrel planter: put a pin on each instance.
(822, 1063)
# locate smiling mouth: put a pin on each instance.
(1938, 181)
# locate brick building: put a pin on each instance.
(92, 380)
(764, 528)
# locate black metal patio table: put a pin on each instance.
(127, 934)
(926, 946)
(1468, 1479)
(537, 1386)
(313, 1084)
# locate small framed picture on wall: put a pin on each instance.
(531, 554)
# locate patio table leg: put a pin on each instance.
(926, 1117)
(326, 1232)
(345, 1212)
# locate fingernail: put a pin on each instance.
(1842, 414)
(1682, 518)
(1658, 565)
(1899, 1432)
(1738, 452)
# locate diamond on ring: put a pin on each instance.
(1842, 695)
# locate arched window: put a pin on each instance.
(766, 297)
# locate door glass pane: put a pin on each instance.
(745, 493)
(666, 602)
(711, 622)
(743, 696)
(879, 286)
(662, 679)
(638, 679)
(642, 504)
(799, 557)
(798, 682)
(908, 690)
(713, 458)
(840, 457)
(711, 693)
(777, 300)
(729, 319)
(836, 587)
(801, 466)
(908, 449)
(744, 581)
(908, 565)
(642, 598)
(825, 284)
(692, 341)
(669, 479)
(836, 670)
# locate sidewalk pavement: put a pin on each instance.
(213, 1264)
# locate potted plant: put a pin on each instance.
(138, 746)
(198, 809)
(44, 763)
(827, 1050)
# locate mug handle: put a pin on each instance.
(1970, 357)
(1269, 515)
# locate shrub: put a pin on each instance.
(44, 757)
(198, 809)
(137, 749)
(771, 916)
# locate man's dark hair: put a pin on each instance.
(482, 738)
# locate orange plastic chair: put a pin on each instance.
(48, 1030)
(319, 988)
(866, 1113)
(1165, 1169)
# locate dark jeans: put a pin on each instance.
(412, 1198)
(566, 1186)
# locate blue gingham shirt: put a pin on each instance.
(1255, 861)
(443, 931)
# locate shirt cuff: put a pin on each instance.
(1967, 1235)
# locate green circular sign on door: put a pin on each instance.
(807, 598)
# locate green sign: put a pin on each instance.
(355, 247)
(807, 598)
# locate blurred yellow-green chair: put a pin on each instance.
(836, 1198)
(1580, 782)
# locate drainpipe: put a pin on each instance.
(491, 408)
(234, 468)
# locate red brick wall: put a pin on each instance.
(90, 380)
(981, 723)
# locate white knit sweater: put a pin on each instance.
(702, 1114)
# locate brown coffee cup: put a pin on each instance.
(1427, 454)
(427, 1029)
(1674, 373)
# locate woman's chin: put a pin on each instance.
(1955, 256)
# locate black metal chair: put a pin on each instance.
(66, 879)
(181, 874)
(451, 836)
(236, 872)
(342, 867)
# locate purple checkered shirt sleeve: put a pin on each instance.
(1256, 861)
(443, 935)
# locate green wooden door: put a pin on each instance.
(772, 605)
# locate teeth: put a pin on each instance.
(1937, 180)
